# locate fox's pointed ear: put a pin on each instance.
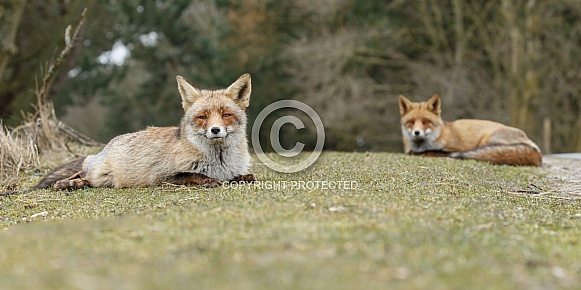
(434, 104)
(188, 92)
(240, 91)
(405, 105)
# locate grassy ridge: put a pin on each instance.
(410, 223)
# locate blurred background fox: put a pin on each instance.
(425, 133)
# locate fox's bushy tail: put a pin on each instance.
(520, 154)
(62, 172)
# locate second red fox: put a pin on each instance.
(425, 133)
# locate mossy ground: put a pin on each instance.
(399, 222)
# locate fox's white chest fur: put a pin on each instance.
(222, 163)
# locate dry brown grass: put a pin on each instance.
(41, 137)
(17, 151)
(41, 140)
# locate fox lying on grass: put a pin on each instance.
(208, 147)
(425, 133)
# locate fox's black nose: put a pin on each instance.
(417, 132)
(215, 130)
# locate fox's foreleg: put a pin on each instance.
(193, 179)
(431, 153)
(246, 178)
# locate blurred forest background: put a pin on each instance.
(513, 61)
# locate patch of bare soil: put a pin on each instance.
(565, 172)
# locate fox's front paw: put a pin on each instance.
(246, 178)
(210, 182)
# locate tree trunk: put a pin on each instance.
(575, 145)
(10, 15)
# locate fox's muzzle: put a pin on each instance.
(216, 132)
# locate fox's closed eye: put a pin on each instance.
(226, 115)
(202, 117)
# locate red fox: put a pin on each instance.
(208, 147)
(425, 133)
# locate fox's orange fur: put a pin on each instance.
(208, 147)
(425, 133)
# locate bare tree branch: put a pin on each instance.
(54, 65)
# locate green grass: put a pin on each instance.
(411, 223)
